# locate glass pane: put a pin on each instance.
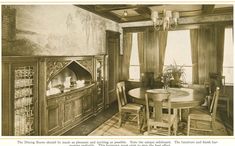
(134, 51)
(178, 50)
(228, 56)
(188, 74)
(228, 73)
(23, 101)
(228, 47)
(134, 72)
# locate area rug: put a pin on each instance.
(111, 128)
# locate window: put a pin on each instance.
(134, 70)
(178, 49)
(228, 56)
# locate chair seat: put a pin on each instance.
(132, 107)
(165, 121)
(200, 114)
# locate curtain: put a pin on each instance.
(151, 51)
(207, 52)
(155, 47)
(127, 44)
(162, 48)
(194, 54)
(220, 49)
(141, 51)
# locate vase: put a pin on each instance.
(67, 82)
(176, 77)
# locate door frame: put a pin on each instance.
(115, 35)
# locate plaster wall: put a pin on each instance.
(58, 30)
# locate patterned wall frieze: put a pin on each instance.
(88, 64)
(54, 67)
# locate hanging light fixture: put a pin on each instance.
(169, 19)
(125, 13)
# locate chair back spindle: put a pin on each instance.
(147, 107)
(121, 94)
(159, 122)
(159, 98)
(208, 116)
(214, 104)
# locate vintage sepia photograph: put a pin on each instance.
(141, 69)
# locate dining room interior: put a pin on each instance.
(117, 70)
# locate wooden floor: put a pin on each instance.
(105, 124)
(111, 128)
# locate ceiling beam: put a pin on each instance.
(206, 19)
(187, 20)
(208, 9)
(109, 15)
(190, 13)
(180, 27)
(144, 11)
(176, 7)
(223, 10)
(105, 8)
(133, 18)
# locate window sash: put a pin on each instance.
(134, 72)
(228, 56)
(134, 69)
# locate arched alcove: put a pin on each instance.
(70, 77)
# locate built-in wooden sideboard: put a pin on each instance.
(68, 109)
(50, 95)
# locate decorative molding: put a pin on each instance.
(206, 19)
(27, 32)
(87, 64)
(186, 21)
(53, 67)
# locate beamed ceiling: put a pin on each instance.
(138, 13)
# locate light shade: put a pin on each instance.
(154, 16)
(169, 19)
(125, 13)
(168, 14)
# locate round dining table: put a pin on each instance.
(180, 97)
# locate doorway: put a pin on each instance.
(112, 49)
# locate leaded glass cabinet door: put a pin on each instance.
(24, 99)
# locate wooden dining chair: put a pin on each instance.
(159, 123)
(224, 100)
(128, 109)
(204, 115)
